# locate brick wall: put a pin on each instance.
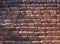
(29, 21)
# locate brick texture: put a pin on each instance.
(29, 21)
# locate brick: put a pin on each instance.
(35, 42)
(53, 20)
(53, 12)
(10, 42)
(56, 43)
(46, 17)
(58, 17)
(36, 12)
(7, 21)
(14, 33)
(29, 12)
(1, 38)
(14, 8)
(3, 33)
(56, 33)
(46, 43)
(34, 38)
(1, 42)
(8, 25)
